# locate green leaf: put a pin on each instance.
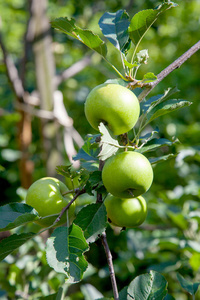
(72, 177)
(109, 145)
(131, 66)
(143, 20)
(11, 243)
(65, 250)
(88, 153)
(92, 41)
(155, 144)
(92, 219)
(56, 296)
(114, 26)
(16, 214)
(152, 102)
(148, 286)
(149, 77)
(65, 25)
(156, 160)
(94, 182)
(123, 293)
(85, 36)
(90, 292)
(65, 171)
(165, 108)
(105, 298)
(148, 136)
(187, 285)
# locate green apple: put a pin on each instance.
(127, 174)
(114, 105)
(128, 213)
(46, 195)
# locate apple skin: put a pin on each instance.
(130, 212)
(114, 105)
(127, 174)
(45, 195)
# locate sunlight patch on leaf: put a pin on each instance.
(114, 26)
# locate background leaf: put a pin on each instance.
(148, 286)
(190, 287)
(11, 243)
(92, 219)
(16, 214)
(161, 158)
(90, 292)
(114, 26)
(65, 250)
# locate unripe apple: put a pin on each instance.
(114, 105)
(127, 174)
(46, 195)
(128, 213)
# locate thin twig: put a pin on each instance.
(12, 73)
(175, 65)
(106, 247)
(110, 265)
(71, 191)
(73, 70)
(78, 193)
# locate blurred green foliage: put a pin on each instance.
(169, 240)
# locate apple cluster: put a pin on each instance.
(128, 174)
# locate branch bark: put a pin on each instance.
(110, 265)
(107, 249)
(175, 65)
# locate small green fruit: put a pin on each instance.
(46, 195)
(114, 105)
(127, 174)
(128, 213)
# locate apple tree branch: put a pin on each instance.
(175, 65)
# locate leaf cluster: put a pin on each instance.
(67, 247)
(121, 32)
